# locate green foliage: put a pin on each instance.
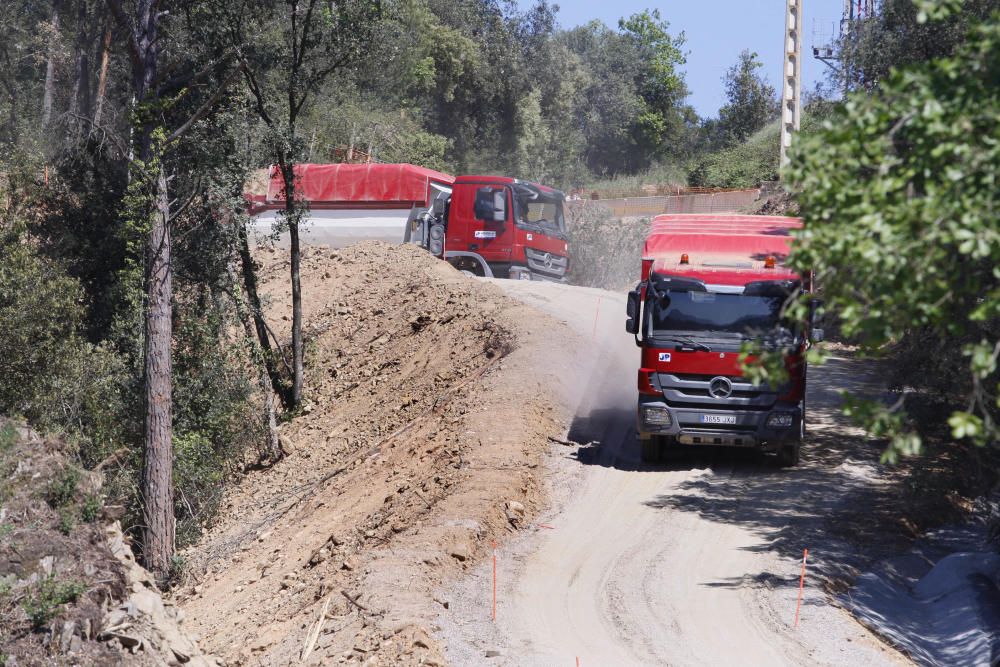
(178, 568)
(905, 32)
(67, 521)
(658, 179)
(751, 101)
(744, 165)
(61, 490)
(899, 193)
(49, 373)
(8, 438)
(659, 81)
(483, 88)
(46, 601)
(755, 161)
(90, 509)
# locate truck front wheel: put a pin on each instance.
(650, 450)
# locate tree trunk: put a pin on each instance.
(80, 102)
(102, 80)
(50, 68)
(85, 65)
(10, 135)
(274, 451)
(292, 216)
(157, 477)
(250, 287)
(157, 487)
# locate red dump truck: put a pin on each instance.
(709, 284)
(490, 226)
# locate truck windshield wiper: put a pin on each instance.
(689, 342)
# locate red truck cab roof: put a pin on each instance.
(725, 250)
(503, 180)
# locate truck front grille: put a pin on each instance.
(546, 262)
(692, 391)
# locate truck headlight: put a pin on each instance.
(656, 415)
(780, 420)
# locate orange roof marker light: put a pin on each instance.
(770, 262)
(684, 259)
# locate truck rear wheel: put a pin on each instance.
(650, 450)
(788, 456)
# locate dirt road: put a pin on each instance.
(692, 564)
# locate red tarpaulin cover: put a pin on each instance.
(746, 235)
(341, 183)
(714, 241)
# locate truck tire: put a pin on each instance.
(650, 450)
(804, 424)
(788, 456)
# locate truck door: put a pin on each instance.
(479, 224)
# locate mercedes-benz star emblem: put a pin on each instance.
(720, 387)
(548, 261)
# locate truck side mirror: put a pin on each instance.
(437, 206)
(491, 204)
(499, 206)
(814, 305)
(633, 312)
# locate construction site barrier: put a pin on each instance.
(728, 201)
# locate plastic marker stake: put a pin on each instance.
(597, 314)
(494, 582)
(802, 585)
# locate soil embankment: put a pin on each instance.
(430, 397)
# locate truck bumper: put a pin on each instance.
(765, 430)
(524, 273)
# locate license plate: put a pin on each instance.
(718, 419)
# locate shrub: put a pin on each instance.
(46, 601)
(899, 194)
(746, 165)
(90, 510)
(48, 373)
(61, 489)
(8, 438)
(67, 521)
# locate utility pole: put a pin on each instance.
(791, 79)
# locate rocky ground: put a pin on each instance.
(71, 592)
(429, 406)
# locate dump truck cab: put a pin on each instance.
(507, 228)
(710, 285)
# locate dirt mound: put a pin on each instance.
(426, 417)
(774, 200)
(70, 590)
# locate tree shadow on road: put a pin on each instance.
(832, 504)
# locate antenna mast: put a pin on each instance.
(828, 52)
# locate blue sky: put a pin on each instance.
(717, 30)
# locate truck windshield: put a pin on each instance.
(539, 209)
(708, 312)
